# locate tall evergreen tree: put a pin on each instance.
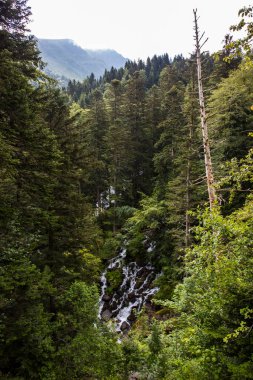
(118, 141)
(140, 170)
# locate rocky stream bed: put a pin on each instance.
(135, 289)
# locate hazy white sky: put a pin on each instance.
(135, 28)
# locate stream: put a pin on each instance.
(134, 291)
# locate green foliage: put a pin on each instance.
(208, 330)
(14, 17)
(231, 118)
(25, 321)
(230, 123)
(81, 265)
(145, 230)
(48, 229)
(241, 47)
(114, 278)
(112, 244)
(238, 180)
(212, 336)
(155, 344)
(75, 183)
(84, 349)
(135, 353)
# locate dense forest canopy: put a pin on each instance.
(119, 162)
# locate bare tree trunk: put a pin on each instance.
(206, 145)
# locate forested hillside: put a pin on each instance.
(104, 182)
(65, 60)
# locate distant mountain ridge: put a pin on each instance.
(67, 60)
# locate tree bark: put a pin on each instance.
(206, 144)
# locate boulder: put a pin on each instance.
(131, 296)
(106, 298)
(132, 317)
(125, 326)
(106, 315)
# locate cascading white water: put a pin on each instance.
(134, 291)
(116, 262)
(103, 289)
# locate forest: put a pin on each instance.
(106, 178)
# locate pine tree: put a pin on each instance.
(118, 141)
(141, 143)
(14, 16)
(169, 128)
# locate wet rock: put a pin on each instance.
(113, 306)
(132, 317)
(140, 282)
(106, 298)
(130, 286)
(119, 293)
(131, 296)
(106, 315)
(141, 271)
(125, 326)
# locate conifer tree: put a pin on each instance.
(139, 150)
(118, 141)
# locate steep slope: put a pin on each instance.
(66, 59)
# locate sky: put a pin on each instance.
(135, 28)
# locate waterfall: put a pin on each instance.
(134, 291)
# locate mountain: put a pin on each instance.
(66, 60)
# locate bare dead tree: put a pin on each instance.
(206, 144)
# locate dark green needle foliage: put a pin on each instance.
(120, 159)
